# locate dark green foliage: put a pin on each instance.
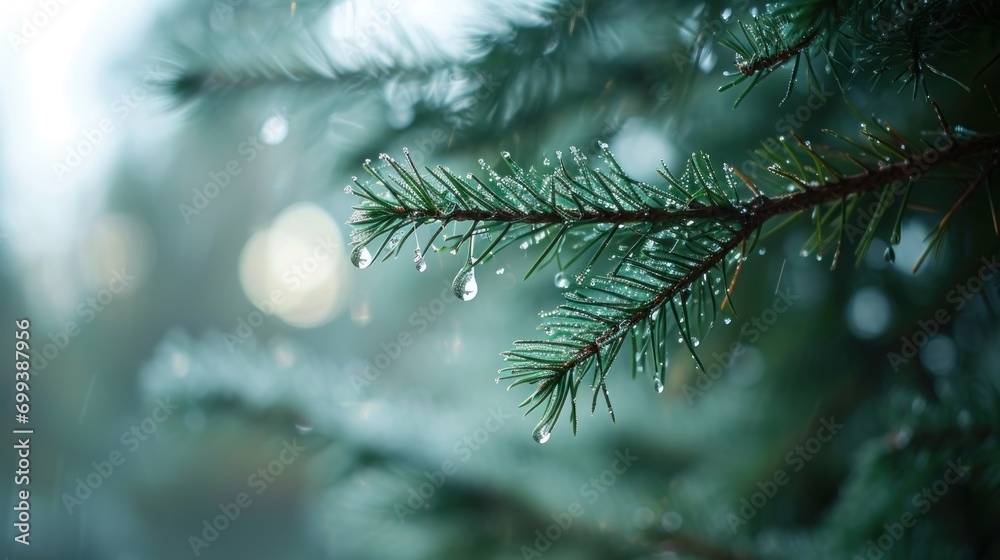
(649, 267)
(676, 245)
(898, 41)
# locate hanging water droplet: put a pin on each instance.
(804, 253)
(348, 190)
(562, 280)
(360, 257)
(658, 384)
(541, 435)
(728, 320)
(496, 380)
(762, 251)
(890, 255)
(418, 260)
(464, 285)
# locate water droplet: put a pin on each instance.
(728, 320)
(418, 260)
(524, 245)
(804, 253)
(762, 251)
(360, 257)
(348, 190)
(658, 384)
(890, 255)
(464, 285)
(496, 380)
(562, 280)
(541, 435)
(500, 271)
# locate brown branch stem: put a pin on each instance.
(759, 210)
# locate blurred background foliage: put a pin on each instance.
(297, 97)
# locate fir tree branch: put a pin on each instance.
(885, 38)
(867, 181)
(765, 61)
(680, 245)
(542, 212)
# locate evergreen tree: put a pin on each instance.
(877, 132)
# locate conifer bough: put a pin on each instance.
(678, 247)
